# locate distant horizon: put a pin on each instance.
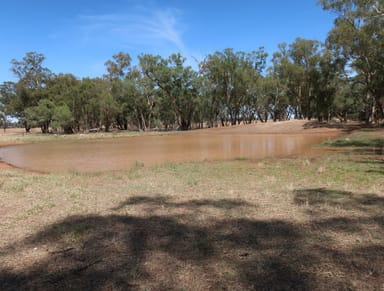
(78, 37)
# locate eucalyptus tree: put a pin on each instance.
(231, 75)
(307, 75)
(7, 97)
(305, 56)
(30, 70)
(221, 69)
(357, 36)
(176, 84)
(41, 114)
(63, 91)
(212, 90)
(89, 94)
(118, 70)
(348, 102)
(59, 107)
(326, 80)
(32, 78)
(202, 113)
(281, 71)
(141, 98)
(107, 103)
(251, 68)
(272, 101)
(119, 67)
(62, 119)
(3, 119)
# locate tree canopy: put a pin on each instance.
(342, 77)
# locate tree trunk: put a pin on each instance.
(68, 130)
(27, 126)
(143, 123)
(184, 124)
(106, 121)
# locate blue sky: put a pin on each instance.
(78, 36)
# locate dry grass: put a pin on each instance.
(305, 223)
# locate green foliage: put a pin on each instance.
(358, 142)
(230, 80)
(30, 71)
(62, 118)
(176, 85)
(41, 114)
(357, 37)
(342, 78)
(108, 109)
(119, 67)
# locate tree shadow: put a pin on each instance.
(345, 127)
(365, 146)
(167, 202)
(178, 251)
(357, 221)
(376, 143)
(371, 162)
(376, 172)
(121, 252)
(338, 198)
(376, 165)
(359, 150)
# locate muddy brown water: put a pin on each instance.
(124, 153)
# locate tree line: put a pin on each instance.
(341, 78)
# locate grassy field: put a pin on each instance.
(299, 223)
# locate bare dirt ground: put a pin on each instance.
(277, 224)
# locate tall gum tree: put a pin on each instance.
(32, 78)
(358, 35)
(231, 75)
(176, 83)
(119, 68)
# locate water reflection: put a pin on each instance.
(122, 153)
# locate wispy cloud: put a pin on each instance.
(149, 28)
(92, 38)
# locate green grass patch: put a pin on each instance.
(357, 142)
(366, 137)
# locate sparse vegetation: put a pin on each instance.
(359, 140)
(240, 224)
(308, 222)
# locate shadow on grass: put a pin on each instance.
(179, 251)
(346, 127)
(124, 252)
(376, 165)
(337, 198)
(376, 172)
(368, 142)
(371, 162)
(361, 223)
(166, 201)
